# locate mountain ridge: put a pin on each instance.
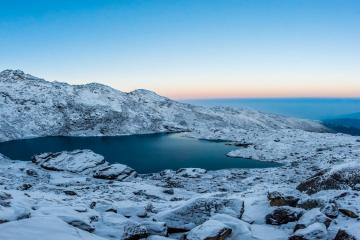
(34, 107)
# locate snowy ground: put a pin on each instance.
(78, 195)
(189, 203)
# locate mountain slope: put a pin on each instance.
(31, 107)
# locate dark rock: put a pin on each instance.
(111, 210)
(70, 193)
(81, 225)
(299, 226)
(279, 199)
(169, 191)
(296, 238)
(282, 216)
(92, 205)
(348, 213)
(31, 172)
(343, 235)
(24, 187)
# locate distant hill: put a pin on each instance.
(349, 123)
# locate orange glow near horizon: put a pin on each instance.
(262, 92)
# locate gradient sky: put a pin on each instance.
(189, 48)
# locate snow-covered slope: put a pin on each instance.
(79, 195)
(30, 107)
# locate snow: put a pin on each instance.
(122, 204)
(50, 228)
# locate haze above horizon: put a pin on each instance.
(189, 49)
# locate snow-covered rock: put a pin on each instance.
(115, 171)
(313, 231)
(75, 161)
(50, 228)
(312, 216)
(197, 211)
(13, 213)
(210, 229)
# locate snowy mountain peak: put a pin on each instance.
(144, 93)
(16, 75)
(12, 74)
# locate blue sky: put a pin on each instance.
(187, 49)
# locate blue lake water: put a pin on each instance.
(144, 153)
(309, 108)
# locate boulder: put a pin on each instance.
(339, 177)
(196, 211)
(49, 228)
(119, 227)
(312, 216)
(209, 230)
(13, 213)
(81, 225)
(348, 213)
(330, 209)
(279, 199)
(114, 172)
(283, 216)
(313, 231)
(240, 229)
(344, 235)
(155, 228)
(77, 161)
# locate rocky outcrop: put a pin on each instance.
(77, 161)
(114, 172)
(340, 177)
(199, 210)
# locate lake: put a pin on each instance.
(145, 153)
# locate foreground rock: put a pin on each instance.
(115, 171)
(279, 199)
(77, 161)
(283, 216)
(340, 177)
(199, 210)
(49, 228)
(313, 231)
(209, 230)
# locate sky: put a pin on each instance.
(189, 48)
